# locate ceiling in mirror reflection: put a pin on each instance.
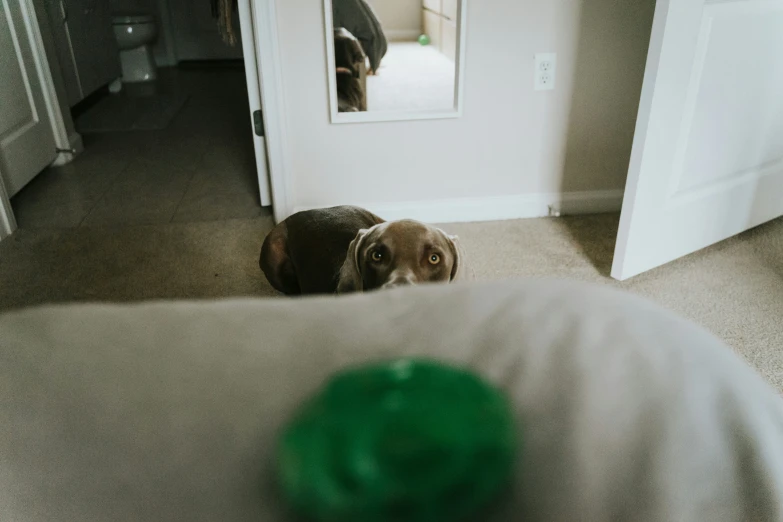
(393, 56)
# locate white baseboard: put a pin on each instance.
(498, 208)
(402, 35)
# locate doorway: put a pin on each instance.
(200, 167)
(179, 149)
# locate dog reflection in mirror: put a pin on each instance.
(349, 64)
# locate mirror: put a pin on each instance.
(394, 59)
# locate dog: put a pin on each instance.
(349, 249)
(348, 60)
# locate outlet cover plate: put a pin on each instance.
(545, 71)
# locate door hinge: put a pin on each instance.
(258, 123)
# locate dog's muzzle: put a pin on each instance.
(399, 281)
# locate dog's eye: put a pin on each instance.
(376, 256)
(434, 259)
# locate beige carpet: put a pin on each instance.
(734, 289)
(412, 77)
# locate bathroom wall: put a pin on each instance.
(401, 19)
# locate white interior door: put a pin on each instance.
(254, 96)
(27, 143)
(707, 159)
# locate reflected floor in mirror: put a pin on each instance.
(412, 77)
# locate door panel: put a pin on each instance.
(707, 159)
(27, 143)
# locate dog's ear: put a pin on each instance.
(350, 277)
(460, 271)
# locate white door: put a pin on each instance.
(707, 159)
(27, 143)
(254, 96)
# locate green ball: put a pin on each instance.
(424, 39)
(407, 440)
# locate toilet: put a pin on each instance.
(135, 35)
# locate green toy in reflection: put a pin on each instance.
(407, 440)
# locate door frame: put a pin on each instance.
(62, 141)
(249, 51)
(7, 218)
(643, 117)
(269, 65)
(43, 68)
(270, 75)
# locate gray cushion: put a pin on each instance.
(170, 411)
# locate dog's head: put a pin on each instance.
(348, 53)
(348, 60)
(400, 253)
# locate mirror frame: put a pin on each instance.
(381, 116)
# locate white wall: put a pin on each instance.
(511, 142)
(401, 19)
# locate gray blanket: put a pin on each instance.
(170, 411)
(358, 17)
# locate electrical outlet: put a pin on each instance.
(545, 71)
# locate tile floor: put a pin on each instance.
(200, 168)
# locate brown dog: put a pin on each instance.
(349, 65)
(349, 249)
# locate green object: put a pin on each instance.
(406, 441)
(424, 39)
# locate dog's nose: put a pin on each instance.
(399, 281)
